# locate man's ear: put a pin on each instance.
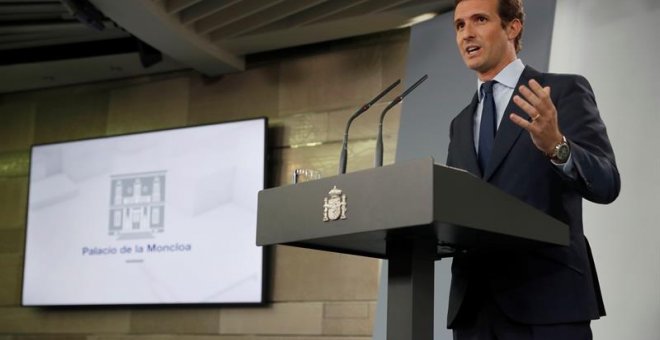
(513, 29)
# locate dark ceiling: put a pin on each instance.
(52, 43)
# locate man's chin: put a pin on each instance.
(474, 65)
(477, 65)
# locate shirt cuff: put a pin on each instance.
(567, 168)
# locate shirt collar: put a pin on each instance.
(508, 77)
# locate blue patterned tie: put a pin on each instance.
(488, 125)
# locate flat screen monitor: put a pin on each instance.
(162, 217)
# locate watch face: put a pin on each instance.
(563, 151)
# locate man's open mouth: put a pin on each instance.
(470, 50)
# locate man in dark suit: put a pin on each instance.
(540, 138)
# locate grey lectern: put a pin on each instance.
(412, 214)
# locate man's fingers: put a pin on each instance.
(537, 88)
(542, 93)
(529, 95)
(526, 106)
(520, 121)
(538, 97)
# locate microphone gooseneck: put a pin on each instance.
(379, 140)
(365, 107)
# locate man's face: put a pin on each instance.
(484, 44)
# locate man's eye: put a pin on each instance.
(481, 19)
(459, 26)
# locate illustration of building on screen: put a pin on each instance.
(137, 205)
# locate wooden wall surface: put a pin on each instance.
(307, 94)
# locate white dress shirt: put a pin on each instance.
(502, 92)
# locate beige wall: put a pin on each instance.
(307, 95)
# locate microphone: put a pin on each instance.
(379, 140)
(344, 146)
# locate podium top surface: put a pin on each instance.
(357, 213)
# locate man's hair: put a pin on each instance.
(508, 10)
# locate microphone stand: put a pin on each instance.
(344, 145)
(378, 162)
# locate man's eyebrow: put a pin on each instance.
(480, 14)
(472, 16)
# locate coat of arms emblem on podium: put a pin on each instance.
(334, 207)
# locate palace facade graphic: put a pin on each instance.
(137, 205)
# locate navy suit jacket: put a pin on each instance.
(553, 284)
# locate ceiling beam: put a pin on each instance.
(32, 8)
(232, 14)
(28, 41)
(53, 27)
(312, 14)
(326, 30)
(150, 22)
(262, 18)
(372, 6)
(203, 10)
(175, 6)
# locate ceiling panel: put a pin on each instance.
(211, 36)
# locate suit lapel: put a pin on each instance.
(508, 132)
(465, 141)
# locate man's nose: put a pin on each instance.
(468, 31)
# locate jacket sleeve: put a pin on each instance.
(450, 155)
(597, 178)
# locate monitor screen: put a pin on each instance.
(162, 217)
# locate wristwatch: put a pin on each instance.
(561, 152)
